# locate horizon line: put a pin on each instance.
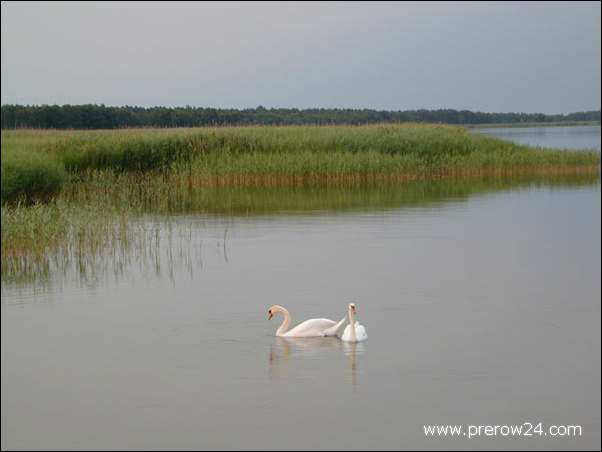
(260, 106)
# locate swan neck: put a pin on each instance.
(352, 325)
(286, 323)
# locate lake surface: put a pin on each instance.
(565, 137)
(481, 300)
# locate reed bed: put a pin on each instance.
(89, 235)
(30, 177)
(37, 164)
(80, 189)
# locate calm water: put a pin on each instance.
(481, 300)
(574, 137)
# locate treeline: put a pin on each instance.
(103, 117)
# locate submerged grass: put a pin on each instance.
(40, 237)
(88, 235)
(67, 190)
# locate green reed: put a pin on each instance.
(30, 177)
(71, 190)
(35, 165)
(90, 234)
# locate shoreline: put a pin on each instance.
(372, 179)
(531, 124)
(88, 220)
(37, 166)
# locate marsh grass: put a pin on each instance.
(30, 177)
(155, 193)
(240, 156)
(33, 232)
(92, 235)
(71, 196)
(88, 245)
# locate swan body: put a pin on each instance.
(360, 334)
(309, 328)
(336, 329)
(354, 332)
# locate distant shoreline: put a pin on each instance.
(532, 124)
(96, 117)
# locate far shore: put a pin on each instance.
(532, 124)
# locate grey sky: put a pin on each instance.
(489, 57)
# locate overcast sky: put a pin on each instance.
(488, 57)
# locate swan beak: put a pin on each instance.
(353, 309)
(270, 315)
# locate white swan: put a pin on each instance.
(354, 332)
(309, 328)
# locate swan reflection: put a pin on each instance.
(287, 353)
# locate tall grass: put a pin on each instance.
(30, 177)
(133, 154)
(111, 228)
(40, 237)
(65, 190)
(241, 155)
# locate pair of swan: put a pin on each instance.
(353, 332)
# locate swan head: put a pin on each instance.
(274, 310)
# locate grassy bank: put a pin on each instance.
(74, 191)
(94, 235)
(243, 156)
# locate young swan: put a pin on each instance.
(309, 328)
(354, 332)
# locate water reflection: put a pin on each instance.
(166, 243)
(291, 355)
(473, 308)
(351, 350)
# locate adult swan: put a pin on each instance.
(309, 328)
(354, 332)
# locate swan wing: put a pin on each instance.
(337, 329)
(311, 328)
